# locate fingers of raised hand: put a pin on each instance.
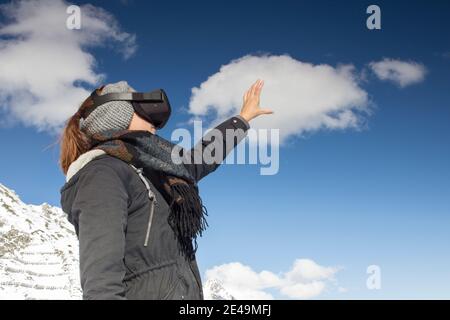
(259, 87)
(254, 91)
(256, 87)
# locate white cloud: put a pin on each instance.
(42, 63)
(304, 97)
(303, 290)
(305, 269)
(306, 279)
(342, 290)
(403, 73)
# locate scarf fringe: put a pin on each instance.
(187, 217)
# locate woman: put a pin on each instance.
(137, 214)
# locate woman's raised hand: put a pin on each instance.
(250, 108)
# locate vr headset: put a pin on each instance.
(152, 106)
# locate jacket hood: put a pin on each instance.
(82, 160)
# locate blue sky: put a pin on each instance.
(344, 198)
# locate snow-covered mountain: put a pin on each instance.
(213, 290)
(39, 253)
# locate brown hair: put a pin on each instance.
(73, 141)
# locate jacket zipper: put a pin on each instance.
(150, 219)
(152, 198)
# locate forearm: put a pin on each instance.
(214, 147)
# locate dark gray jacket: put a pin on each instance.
(108, 204)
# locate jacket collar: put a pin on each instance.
(83, 160)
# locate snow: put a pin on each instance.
(213, 290)
(38, 251)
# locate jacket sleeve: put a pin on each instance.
(101, 208)
(225, 137)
